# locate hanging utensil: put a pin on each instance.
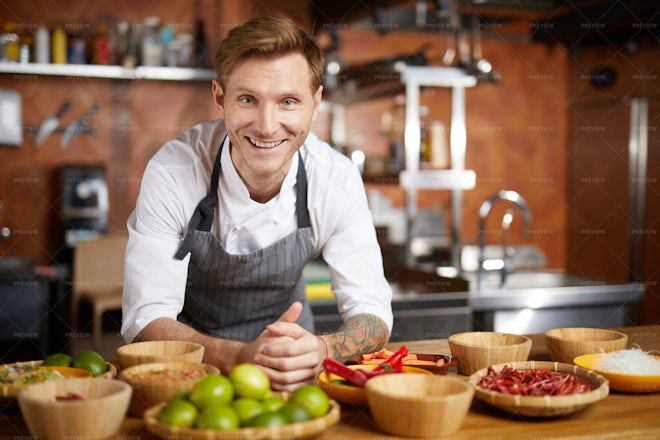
(49, 125)
(78, 125)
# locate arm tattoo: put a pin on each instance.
(363, 333)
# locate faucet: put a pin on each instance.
(521, 204)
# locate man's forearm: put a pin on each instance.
(363, 333)
(222, 353)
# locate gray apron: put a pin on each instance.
(236, 296)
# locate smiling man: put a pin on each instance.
(230, 212)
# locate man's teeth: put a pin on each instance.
(265, 144)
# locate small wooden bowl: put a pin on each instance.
(565, 344)
(159, 351)
(418, 405)
(159, 381)
(477, 350)
(99, 415)
(542, 406)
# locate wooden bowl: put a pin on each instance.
(350, 394)
(418, 405)
(307, 429)
(159, 381)
(8, 392)
(99, 415)
(159, 351)
(565, 344)
(477, 350)
(542, 406)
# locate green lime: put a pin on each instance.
(212, 389)
(267, 419)
(295, 413)
(250, 381)
(247, 408)
(90, 361)
(272, 403)
(178, 412)
(58, 360)
(312, 398)
(218, 416)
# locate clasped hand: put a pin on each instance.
(289, 354)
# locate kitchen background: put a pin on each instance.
(552, 120)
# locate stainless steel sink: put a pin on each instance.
(532, 280)
(535, 301)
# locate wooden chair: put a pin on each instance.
(98, 278)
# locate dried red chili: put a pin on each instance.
(540, 382)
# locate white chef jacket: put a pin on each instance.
(178, 177)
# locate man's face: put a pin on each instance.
(268, 107)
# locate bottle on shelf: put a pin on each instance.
(437, 139)
(152, 50)
(77, 49)
(101, 46)
(26, 47)
(42, 45)
(58, 46)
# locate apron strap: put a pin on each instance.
(202, 218)
(302, 212)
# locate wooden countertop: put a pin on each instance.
(619, 415)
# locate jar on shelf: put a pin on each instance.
(101, 46)
(9, 43)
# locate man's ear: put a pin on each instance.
(318, 95)
(219, 97)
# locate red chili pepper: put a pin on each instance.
(355, 376)
(544, 382)
(394, 362)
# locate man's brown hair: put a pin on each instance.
(267, 37)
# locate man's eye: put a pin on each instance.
(289, 102)
(246, 99)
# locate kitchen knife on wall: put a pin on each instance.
(77, 126)
(50, 124)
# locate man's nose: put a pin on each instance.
(267, 119)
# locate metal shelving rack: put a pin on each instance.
(457, 178)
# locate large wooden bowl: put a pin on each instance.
(418, 405)
(542, 406)
(565, 344)
(99, 415)
(306, 429)
(159, 381)
(477, 350)
(159, 351)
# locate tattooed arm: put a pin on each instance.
(363, 333)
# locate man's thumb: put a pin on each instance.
(292, 313)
